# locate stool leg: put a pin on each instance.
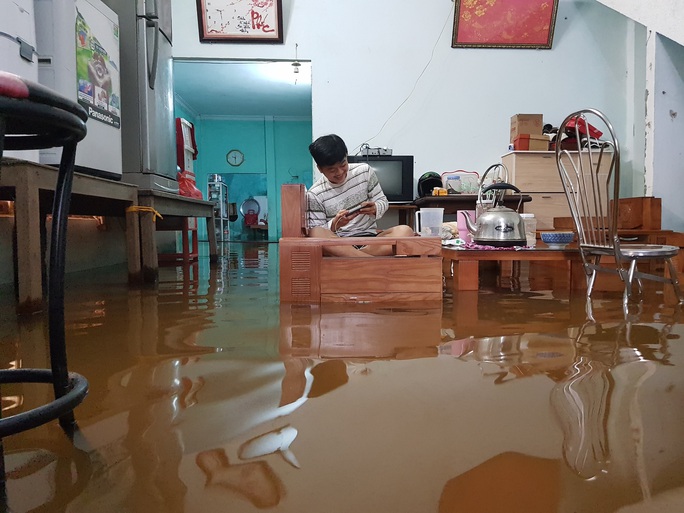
(60, 215)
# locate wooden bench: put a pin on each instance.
(414, 273)
(175, 211)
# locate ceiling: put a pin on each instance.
(244, 88)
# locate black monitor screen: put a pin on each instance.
(395, 174)
(389, 175)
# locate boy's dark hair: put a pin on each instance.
(328, 150)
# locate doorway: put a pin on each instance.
(252, 126)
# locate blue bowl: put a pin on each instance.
(557, 238)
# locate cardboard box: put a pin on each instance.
(528, 142)
(526, 124)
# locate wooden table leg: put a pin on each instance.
(211, 234)
(29, 254)
(150, 259)
(466, 275)
(577, 277)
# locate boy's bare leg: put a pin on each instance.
(344, 251)
(401, 230)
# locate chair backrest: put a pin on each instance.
(588, 161)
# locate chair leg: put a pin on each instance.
(591, 272)
(589, 309)
(629, 278)
(674, 280)
(591, 278)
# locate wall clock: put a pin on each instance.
(235, 157)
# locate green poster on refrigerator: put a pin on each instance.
(97, 66)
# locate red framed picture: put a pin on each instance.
(240, 21)
(504, 23)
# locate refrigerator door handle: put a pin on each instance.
(152, 69)
(150, 15)
(155, 13)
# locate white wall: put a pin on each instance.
(668, 130)
(664, 97)
(389, 77)
(664, 16)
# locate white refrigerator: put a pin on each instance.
(147, 118)
(17, 50)
(78, 46)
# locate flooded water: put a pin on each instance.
(207, 396)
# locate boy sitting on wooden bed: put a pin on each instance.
(347, 201)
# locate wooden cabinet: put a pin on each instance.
(535, 173)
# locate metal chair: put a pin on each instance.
(34, 117)
(588, 161)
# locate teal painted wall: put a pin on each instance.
(276, 152)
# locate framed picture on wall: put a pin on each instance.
(504, 23)
(240, 21)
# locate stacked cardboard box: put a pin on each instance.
(526, 133)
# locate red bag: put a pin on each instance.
(592, 131)
(251, 218)
(186, 185)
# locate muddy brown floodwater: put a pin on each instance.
(207, 396)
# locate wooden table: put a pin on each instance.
(31, 186)
(406, 212)
(257, 230)
(173, 208)
(452, 203)
(466, 263)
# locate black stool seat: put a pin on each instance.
(34, 117)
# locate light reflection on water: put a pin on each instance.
(207, 395)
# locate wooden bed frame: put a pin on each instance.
(414, 273)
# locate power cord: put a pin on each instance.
(432, 54)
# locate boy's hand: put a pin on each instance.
(366, 208)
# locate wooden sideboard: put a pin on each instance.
(452, 203)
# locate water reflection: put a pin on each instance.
(599, 370)
(255, 481)
(208, 396)
(597, 401)
(336, 330)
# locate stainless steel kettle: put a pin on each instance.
(499, 226)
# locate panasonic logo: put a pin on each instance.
(98, 115)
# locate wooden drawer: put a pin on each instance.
(546, 206)
(536, 171)
(533, 171)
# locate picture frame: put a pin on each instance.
(504, 23)
(240, 21)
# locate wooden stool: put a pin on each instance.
(189, 241)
